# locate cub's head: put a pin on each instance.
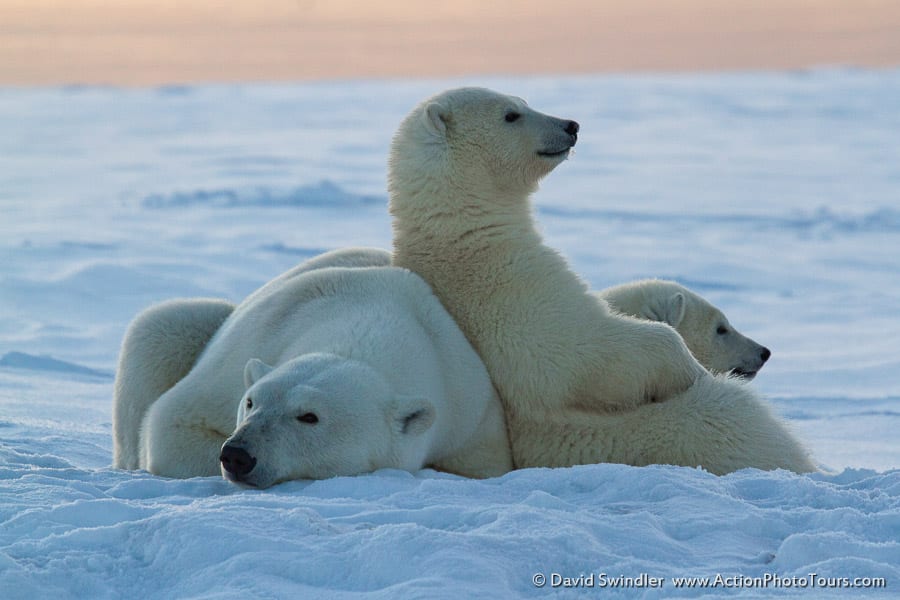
(483, 142)
(713, 341)
(319, 416)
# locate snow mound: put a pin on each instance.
(21, 360)
(323, 194)
(391, 534)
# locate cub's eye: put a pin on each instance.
(249, 403)
(309, 418)
(721, 330)
(512, 116)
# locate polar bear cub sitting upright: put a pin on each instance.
(579, 383)
(713, 341)
(348, 369)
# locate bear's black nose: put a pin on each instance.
(572, 128)
(765, 354)
(236, 460)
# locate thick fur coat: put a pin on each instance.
(310, 341)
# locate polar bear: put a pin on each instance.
(579, 383)
(713, 341)
(370, 352)
(163, 342)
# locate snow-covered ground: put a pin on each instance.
(777, 196)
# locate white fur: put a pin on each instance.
(364, 348)
(713, 341)
(579, 383)
(163, 343)
(160, 347)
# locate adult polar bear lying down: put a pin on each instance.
(349, 370)
(163, 342)
(579, 383)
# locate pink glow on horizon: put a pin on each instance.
(144, 42)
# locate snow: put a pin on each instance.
(775, 195)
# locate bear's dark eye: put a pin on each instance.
(721, 330)
(309, 418)
(512, 116)
(249, 403)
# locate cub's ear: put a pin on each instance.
(255, 370)
(669, 310)
(412, 415)
(435, 118)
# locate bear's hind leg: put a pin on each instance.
(160, 347)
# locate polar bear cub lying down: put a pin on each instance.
(327, 370)
(579, 383)
(707, 333)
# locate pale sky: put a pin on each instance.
(150, 42)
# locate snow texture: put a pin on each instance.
(775, 195)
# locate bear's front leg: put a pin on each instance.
(639, 362)
(180, 439)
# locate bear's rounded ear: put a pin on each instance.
(675, 309)
(255, 370)
(412, 415)
(669, 310)
(434, 116)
